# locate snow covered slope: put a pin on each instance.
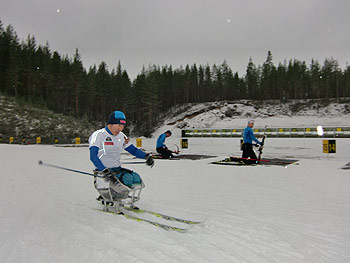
(231, 115)
(252, 214)
(17, 113)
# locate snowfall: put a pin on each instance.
(298, 213)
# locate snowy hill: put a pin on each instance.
(16, 114)
(21, 119)
(298, 113)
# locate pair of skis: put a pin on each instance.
(126, 213)
(245, 161)
(238, 161)
(130, 210)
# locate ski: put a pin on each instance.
(241, 163)
(237, 161)
(158, 156)
(160, 225)
(166, 217)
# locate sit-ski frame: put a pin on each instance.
(133, 195)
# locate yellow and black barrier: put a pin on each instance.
(42, 140)
(274, 132)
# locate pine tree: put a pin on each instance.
(227, 81)
(151, 100)
(78, 77)
(201, 86)
(9, 61)
(103, 93)
(91, 95)
(346, 81)
(315, 76)
(267, 78)
(252, 78)
(330, 76)
(194, 84)
(208, 84)
(281, 81)
(46, 73)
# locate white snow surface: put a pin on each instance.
(300, 213)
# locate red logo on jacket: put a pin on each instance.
(109, 141)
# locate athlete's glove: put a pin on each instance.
(107, 173)
(149, 160)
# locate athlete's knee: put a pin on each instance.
(136, 178)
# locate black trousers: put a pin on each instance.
(248, 152)
(165, 153)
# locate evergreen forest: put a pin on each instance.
(60, 83)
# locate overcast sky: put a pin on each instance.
(180, 32)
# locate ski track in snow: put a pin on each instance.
(300, 213)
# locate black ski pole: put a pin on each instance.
(134, 162)
(67, 169)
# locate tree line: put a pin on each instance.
(60, 83)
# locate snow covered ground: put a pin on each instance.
(252, 214)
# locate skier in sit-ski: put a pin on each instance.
(106, 146)
(161, 148)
